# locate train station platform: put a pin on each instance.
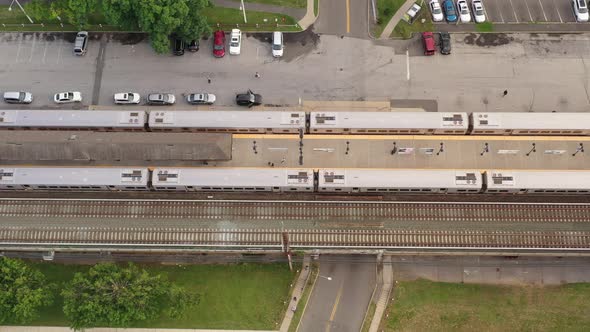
(416, 152)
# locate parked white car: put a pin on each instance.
(478, 11)
(412, 13)
(436, 11)
(235, 42)
(68, 97)
(580, 10)
(463, 10)
(277, 44)
(126, 98)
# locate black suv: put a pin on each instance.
(193, 46)
(445, 43)
(178, 46)
(248, 99)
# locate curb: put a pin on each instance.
(307, 301)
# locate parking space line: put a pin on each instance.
(61, 42)
(408, 64)
(45, 52)
(20, 41)
(543, 10)
(558, 13)
(499, 11)
(514, 11)
(32, 49)
(527, 8)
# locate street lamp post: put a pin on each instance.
(327, 278)
(21, 8)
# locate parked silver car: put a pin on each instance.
(161, 99)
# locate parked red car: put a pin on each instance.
(429, 44)
(219, 44)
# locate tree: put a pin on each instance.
(60, 9)
(111, 295)
(38, 9)
(194, 26)
(80, 10)
(121, 13)
(23, 290)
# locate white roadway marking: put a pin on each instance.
(32, 49)
(558, 13)
(543, 10)
(20, 41)
(45, 52)
(61, 42)
(514, 12)
(527, 8)
(408, 64)
(499, 11)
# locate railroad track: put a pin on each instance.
(277, 238)
(365, 212)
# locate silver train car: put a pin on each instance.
(530, 124)
(537, 182)
(262, 122)
(74, 179)
(233, 179)
(350, 181)
(388, 123)
(73, 120)
(399, 181)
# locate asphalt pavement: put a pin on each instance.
(341, 294)
(343, 18)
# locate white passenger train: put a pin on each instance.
(285, 122)
(208, 179)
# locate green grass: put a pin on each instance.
(283, 3)
(229, 17)
(385, 10)
(369, 317)
(428, 306)
(484, 27)
(406, 30)
(237, 296)
(316, 7)
(304, 297)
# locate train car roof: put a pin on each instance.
(514, 179)
(397, 178)
(233, 177)
(520, 120)
(73, 176)
(226, 119)
(74, 119)
(397, 120)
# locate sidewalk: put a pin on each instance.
(395, 19)
(385, 294)
(309, 17)
(297, 293)
(296, 13)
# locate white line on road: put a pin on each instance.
(514, 11)
(543, 10)
(61, 42)
(20, 41)
(499, 11)
(45, 52)
(408, 64)
(527, 8)
(558, 13)
(32, 49)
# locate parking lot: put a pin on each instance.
(527, 11)
(541, 72)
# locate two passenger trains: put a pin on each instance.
(281, 122)
(210, 179)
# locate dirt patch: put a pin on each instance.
(128, 38)
(488, 39)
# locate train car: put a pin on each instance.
(74, 178)
(263, 122)
(537, 182)
(545, 124)
(388, 123)
(233, 179)
(399, 180)
(73, 120)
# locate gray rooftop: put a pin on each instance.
(397, 120)
(226, 119)
(73, 119)
(525, 120)
(117, 149)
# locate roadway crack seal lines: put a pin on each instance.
(335, 308)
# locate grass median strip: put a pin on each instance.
(385, 10)
(431, 306)
(233, 296)
(229, 17)
(282, 3)
(304, 298)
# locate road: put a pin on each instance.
(341, 294)
(343, 18)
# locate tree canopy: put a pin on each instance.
(23, 291)
(112, 295)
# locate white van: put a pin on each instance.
(277, 44)
(18, 97)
